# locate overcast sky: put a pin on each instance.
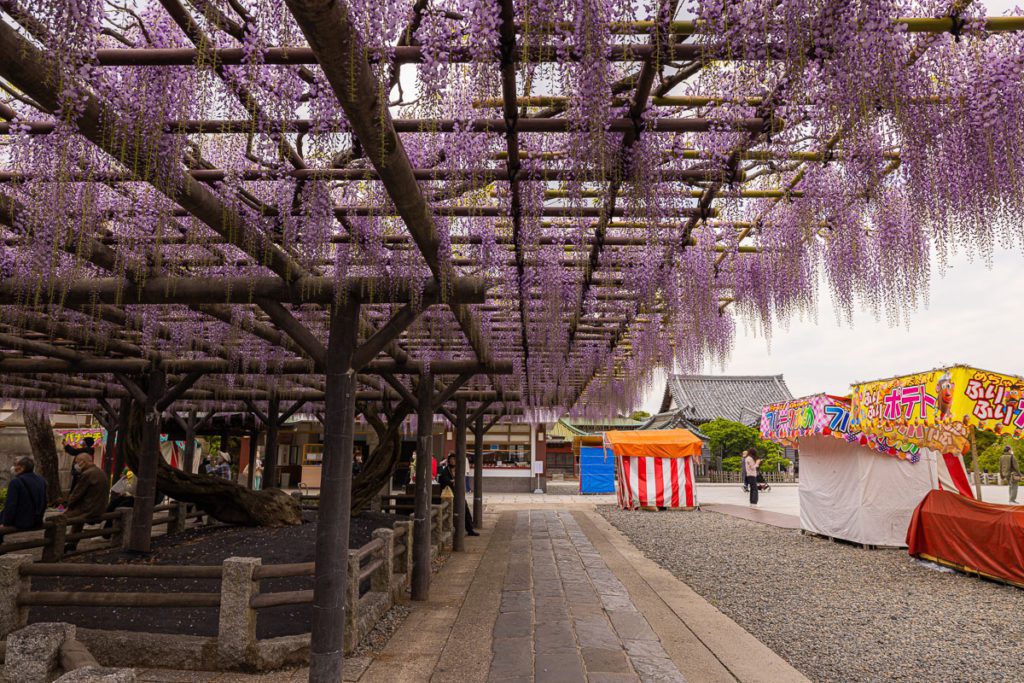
(975, 316)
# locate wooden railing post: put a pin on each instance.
(179, 520)
(236, 628)
(55, 536)
(352, 603)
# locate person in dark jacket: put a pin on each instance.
(88, 500)
(447, 478)
(26, 497)
(87, 448)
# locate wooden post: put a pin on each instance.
(254, 436)
(975, 467)
(141, 532)
(459, 504)
(332, 531)
(478, 471)
(424, 489)
(122, 430)
(270, 451)
(190, 440)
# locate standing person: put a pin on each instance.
(223, 466)
(205, 466)
(88, 500)
(26, 497)
(1009, 469)
(750, 464)
(448, 473)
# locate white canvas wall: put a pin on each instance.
(853, 493)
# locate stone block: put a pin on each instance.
(55, 536)
(33, 652)
(178, 519)
(120, 538)
(98, 674)
(352, 603)
(13, 617)
(381, 581)
(236, 629)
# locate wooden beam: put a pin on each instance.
(235, 290)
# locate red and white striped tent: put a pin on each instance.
(655, 468)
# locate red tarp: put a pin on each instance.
(981, 537)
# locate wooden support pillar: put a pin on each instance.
(145, 488)
(254, 436)
(424, 489)
(270, 454)
(122, 429)
(478, 471)
(332, 531)
(190, 441)
(459, 532)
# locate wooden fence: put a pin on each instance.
(58, 530)
(737, 478)
(378, 575)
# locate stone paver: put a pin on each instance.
(562, 600)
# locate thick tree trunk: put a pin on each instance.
(222, 499)
(44, 450)
(380, 464)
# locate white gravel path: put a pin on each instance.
(836, 612)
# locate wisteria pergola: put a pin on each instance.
(467, 206)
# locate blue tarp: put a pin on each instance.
(597, 470)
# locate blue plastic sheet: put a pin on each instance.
(597, 470)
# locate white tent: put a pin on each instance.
(855, 493)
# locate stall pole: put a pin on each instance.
(974, 466)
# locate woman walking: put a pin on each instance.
(750, 464)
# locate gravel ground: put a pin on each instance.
(834, 611)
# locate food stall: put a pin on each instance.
(853, 486)
(655, 468)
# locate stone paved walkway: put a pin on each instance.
(565, 617)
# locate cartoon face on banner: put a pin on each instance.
(938, 408)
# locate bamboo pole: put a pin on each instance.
(976, 467)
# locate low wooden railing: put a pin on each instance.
(737, 478)
(57, 534)
(379, 572)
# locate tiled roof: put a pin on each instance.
(673, 419)
(702, 398)
(567, 429)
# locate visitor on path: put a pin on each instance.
(257, 478)
(122, 494)
(88, 500)
(750, 464)
(223, 466)
(205, 466)
(26, 497)
(1009, 469)
(448, 474)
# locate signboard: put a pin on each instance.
(826, 415)
(787, 421)
(938, 408)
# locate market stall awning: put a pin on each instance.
(662, 443)
(937, 409)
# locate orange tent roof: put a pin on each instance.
(655, 443)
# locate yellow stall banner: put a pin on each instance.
(936, 409)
